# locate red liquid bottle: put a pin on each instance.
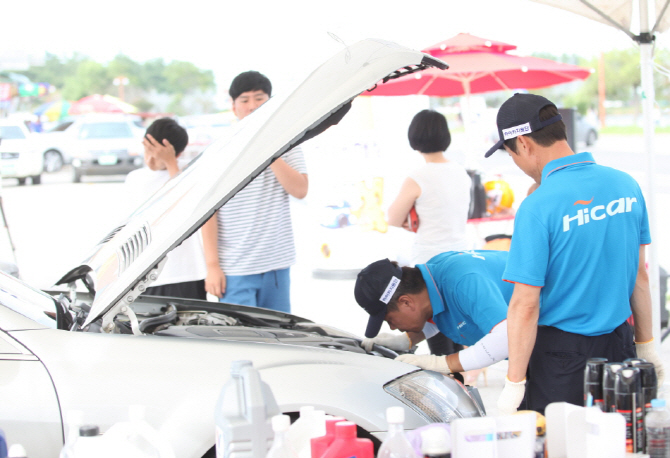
(319, 445)
(347, 445)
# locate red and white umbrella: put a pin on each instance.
(97, 103)
(476, 66)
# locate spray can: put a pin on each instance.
(632, 362)
(649, 390)
(609, 376)
(243, 414)
(593, 383)
(628, 402)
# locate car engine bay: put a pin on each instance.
(187, 318)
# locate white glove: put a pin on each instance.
(397, 342)
(647, 351)
(511, 397)
(428, 362)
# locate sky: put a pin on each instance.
(286, 39)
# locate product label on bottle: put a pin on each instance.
(634, 429)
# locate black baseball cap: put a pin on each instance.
(374, 289)
(520, 115)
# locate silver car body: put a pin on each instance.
(180, 355)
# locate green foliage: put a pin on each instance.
(184, 77)
(631, 130)
(89, 78)
(78, 76)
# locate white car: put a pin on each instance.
(19, 155)
(53, 144)
(106, 349)
(95, 144)
(585, 131)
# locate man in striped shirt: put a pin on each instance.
(249, 245)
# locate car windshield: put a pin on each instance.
(61, 127)
(11, 133)
(27, 301)
(105, 130)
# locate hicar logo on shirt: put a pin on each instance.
(515, 131)
(586, 215)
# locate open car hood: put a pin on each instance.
(124, 263)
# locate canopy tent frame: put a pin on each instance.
(645, 39)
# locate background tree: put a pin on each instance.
(89, 78)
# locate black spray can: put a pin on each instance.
(634, 361)
(609, 375)
(628, 402)
(593, 382)
(649, 392)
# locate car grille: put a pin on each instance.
(8, 156)
(133, 247)
(109, 151)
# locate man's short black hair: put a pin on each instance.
(167, 128)
(428, 132)
(249, 81)
(546, 136)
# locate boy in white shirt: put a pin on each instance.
(184, 272)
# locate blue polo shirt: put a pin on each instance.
(578, 237)
(467, 293)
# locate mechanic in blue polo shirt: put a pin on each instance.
(577, 261)
(461, 291)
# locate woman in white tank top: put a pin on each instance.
(439, 191)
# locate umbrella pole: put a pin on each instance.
(466, 113)
(647, 79)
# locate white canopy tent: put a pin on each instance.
(634, 18)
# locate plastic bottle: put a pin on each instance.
(319, 445)
(435, 443)
(243, 414)
(17, 451)
(310, 424)
(593, 383)
(281, 447)
(74, 421)
(89, 443)
(396, 444)
(658, 430)
(136, 438)
(649, 383)
(346, 444)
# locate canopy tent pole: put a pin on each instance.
(645, 40)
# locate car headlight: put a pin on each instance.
(433, 396)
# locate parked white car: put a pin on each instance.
(19, 155)
(53, 144)
(95, 144)
(106, 349)
(585, 131)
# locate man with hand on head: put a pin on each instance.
(184, 272)
(577, 261)
(462, 292)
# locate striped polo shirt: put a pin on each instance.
(255, 230)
